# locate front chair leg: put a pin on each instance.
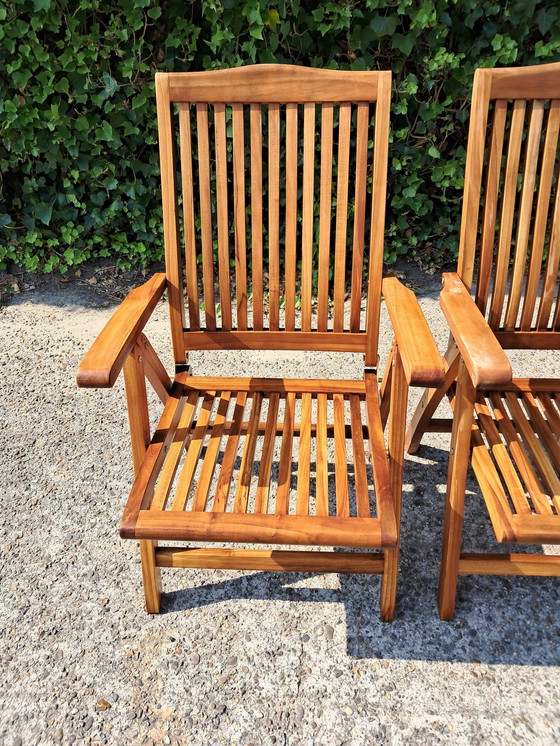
(397, 423)
(455, 496)
(138, 419)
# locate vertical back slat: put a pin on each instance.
(494, 170)
(188, 214)
(173, 267)
(307, 216)
(239, 216)
(325, 209)
(256, 215)
(550, 282)
(274, 215)
(291, 213)
(205, 216)
(222, 214)
(359, 216)
(345, 112)
(541, 215)
(556, 317)
(525, 212)
(507, 212)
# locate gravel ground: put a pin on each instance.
(235, 657)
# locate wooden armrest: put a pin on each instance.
(484, 357)
(105, 358)
(421, 360)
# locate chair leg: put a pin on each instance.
(455, 497)
(151, 576)
(138, 419)
(430, 401)
(397, 422)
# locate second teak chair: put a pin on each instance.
(269, 460)
(505, 295)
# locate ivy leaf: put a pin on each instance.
(42, 4)
(106, 131)
(111, 85)
(43, 211)
(384, 25)
(434, 152)
(404, 44)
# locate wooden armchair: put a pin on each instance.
(505, 295)
(275, 461)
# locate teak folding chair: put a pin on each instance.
(252, 460)
(505, 295)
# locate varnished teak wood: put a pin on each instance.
(256, 460)
(507, 429)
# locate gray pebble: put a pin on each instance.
(329, 632)
(231, 660)
(88, 723)
(195, 659)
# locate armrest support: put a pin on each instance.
(421, 360)
(104, 360)
(484, 357)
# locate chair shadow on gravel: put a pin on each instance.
(498, 620)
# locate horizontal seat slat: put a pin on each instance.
(258, 529)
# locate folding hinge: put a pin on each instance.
(182, 368)
(370, 371)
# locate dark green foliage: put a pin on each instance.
(77, 117)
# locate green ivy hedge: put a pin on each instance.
(78, 155)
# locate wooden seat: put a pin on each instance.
(263, 460)
(274, 231)
(505, 295)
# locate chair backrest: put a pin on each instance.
(509, 247)
(270, 208)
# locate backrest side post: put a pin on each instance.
(170, 217)
(378, 205)
(473, 174)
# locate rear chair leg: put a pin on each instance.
(397, 422)
(455, 497)
(137, 404)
